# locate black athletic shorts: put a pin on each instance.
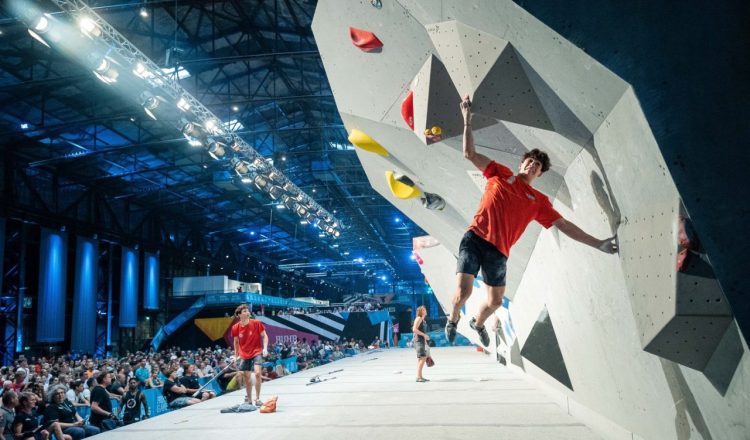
(247, 364)
(475, 252)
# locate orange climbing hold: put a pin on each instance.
(365, 40)
(407, 109)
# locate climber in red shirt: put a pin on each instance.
(250, 347)
(508, 205)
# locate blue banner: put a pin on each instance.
(289, 363)
(150, 281)
(253, 298)
(83, 328)
(379, 316)
(170, 327)
(52, 270)
(129, 288)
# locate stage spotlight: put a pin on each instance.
(195, 133)
(336, 234)
(106, 71)
(239, 166)
(302, 211)
(141, 71)
(261, 182)
(216, 150)
(89, 27)
(212, 126)
(276, 176)
(236, 146)
(259, 163)
(289, 187)
(150, 102)
(183, 104)
(275, 192)
(289, 203)
(41, 26)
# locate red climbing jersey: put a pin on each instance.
(250, 343)
(508, 205)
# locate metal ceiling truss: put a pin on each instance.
(257, 57)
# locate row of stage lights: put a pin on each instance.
(251, 168)
(264, 177)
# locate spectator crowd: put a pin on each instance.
(48, 395)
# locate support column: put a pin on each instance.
(18, 343)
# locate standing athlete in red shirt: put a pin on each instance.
(508, 205)
(247, 336)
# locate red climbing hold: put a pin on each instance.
(407, 109)
(365, 40)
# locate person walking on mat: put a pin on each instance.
(508, 205)
(248, 334)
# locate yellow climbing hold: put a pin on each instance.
(436, 131)
(365, 142)
(401, 186)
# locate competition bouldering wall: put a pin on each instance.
(642, 344)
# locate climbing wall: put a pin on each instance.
(641, 344)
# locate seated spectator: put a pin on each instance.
(26, 423)
(41, 403)
(183, 366)
(87, 387)
(115, 388)
(6, 386)
(207, 369)
(142, 373)
(8, 413)
(89, 373)
(101, 404)
(163, 372)
(190, 381)
(19, 380)
(153, 381)
(177, 395)
(281, 371)
(61, 411)
(269, 374)
(230, 380)
(286, 351)
(302, 363)
(75, 393)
